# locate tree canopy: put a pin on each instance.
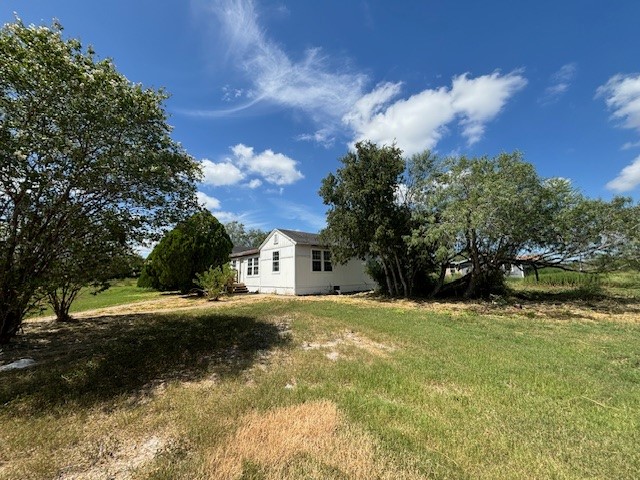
(191, 248)
(242, 237)
(414, 217)
(81, 147)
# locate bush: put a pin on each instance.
(216, 281)
(194, 245)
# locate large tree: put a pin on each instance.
(80, 145)
(366, 217)
(192, 247)
(242, 237)
(499, 211)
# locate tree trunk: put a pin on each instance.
(402, 279)
(11, 315)
(441, 277)
(394, 277)
(387, 276)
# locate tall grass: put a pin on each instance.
(561, 278)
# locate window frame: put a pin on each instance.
(322, 261)
(275, 261)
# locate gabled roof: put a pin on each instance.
(301, 238)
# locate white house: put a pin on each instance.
(296, 263)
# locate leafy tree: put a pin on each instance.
(365, 218)
(193, 246)
(241, 237)
(80, 147)
(216, 280)
(93, 260)
(499, 211)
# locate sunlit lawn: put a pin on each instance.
(121, 292)
(335, 388)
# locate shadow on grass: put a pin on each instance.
(600, 301)
(97, 360)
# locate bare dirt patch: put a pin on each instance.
(122, 463)
(352, 339)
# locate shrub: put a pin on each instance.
(216, 281)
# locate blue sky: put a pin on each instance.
(269, 95)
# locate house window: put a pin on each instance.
(252, 266)
(276, 261)
(321, 261)
(327, 261)
(275, 238)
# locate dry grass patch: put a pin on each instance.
(309, 440)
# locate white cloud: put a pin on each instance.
(274, 168)
(255, 183)
(627, 179)
(218, 174)
(210, 203)
(333, 95)
(622, 95)
(630, 145)
(560, 83)
(225, 217)
(308, 84)
(418, 122)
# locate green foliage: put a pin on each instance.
(561, 278)
(83, 149)
(190, 248)
(216, 281)
(365, 218)
(241, 237)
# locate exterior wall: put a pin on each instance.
(350, 277)
(252, 282)
(516, 271)
(283, 281)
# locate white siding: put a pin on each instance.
(283, 281)
(350, 277)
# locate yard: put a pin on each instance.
(328, 387)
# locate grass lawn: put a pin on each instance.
(333, 387)
(121, 292)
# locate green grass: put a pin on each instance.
(419, 394)
(121, 292)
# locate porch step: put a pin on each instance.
(239, 288)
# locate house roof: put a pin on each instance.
(302, 238)
(243, 251)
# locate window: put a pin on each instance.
(276, 261)
(321, 261)
(252, 266)
(275, 238)
(327, 261)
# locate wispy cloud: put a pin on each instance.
(627, 179)
(312, 83)
(622, 96)
(300, 213)
(560, 83)
(418, 122)
(334, 96)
